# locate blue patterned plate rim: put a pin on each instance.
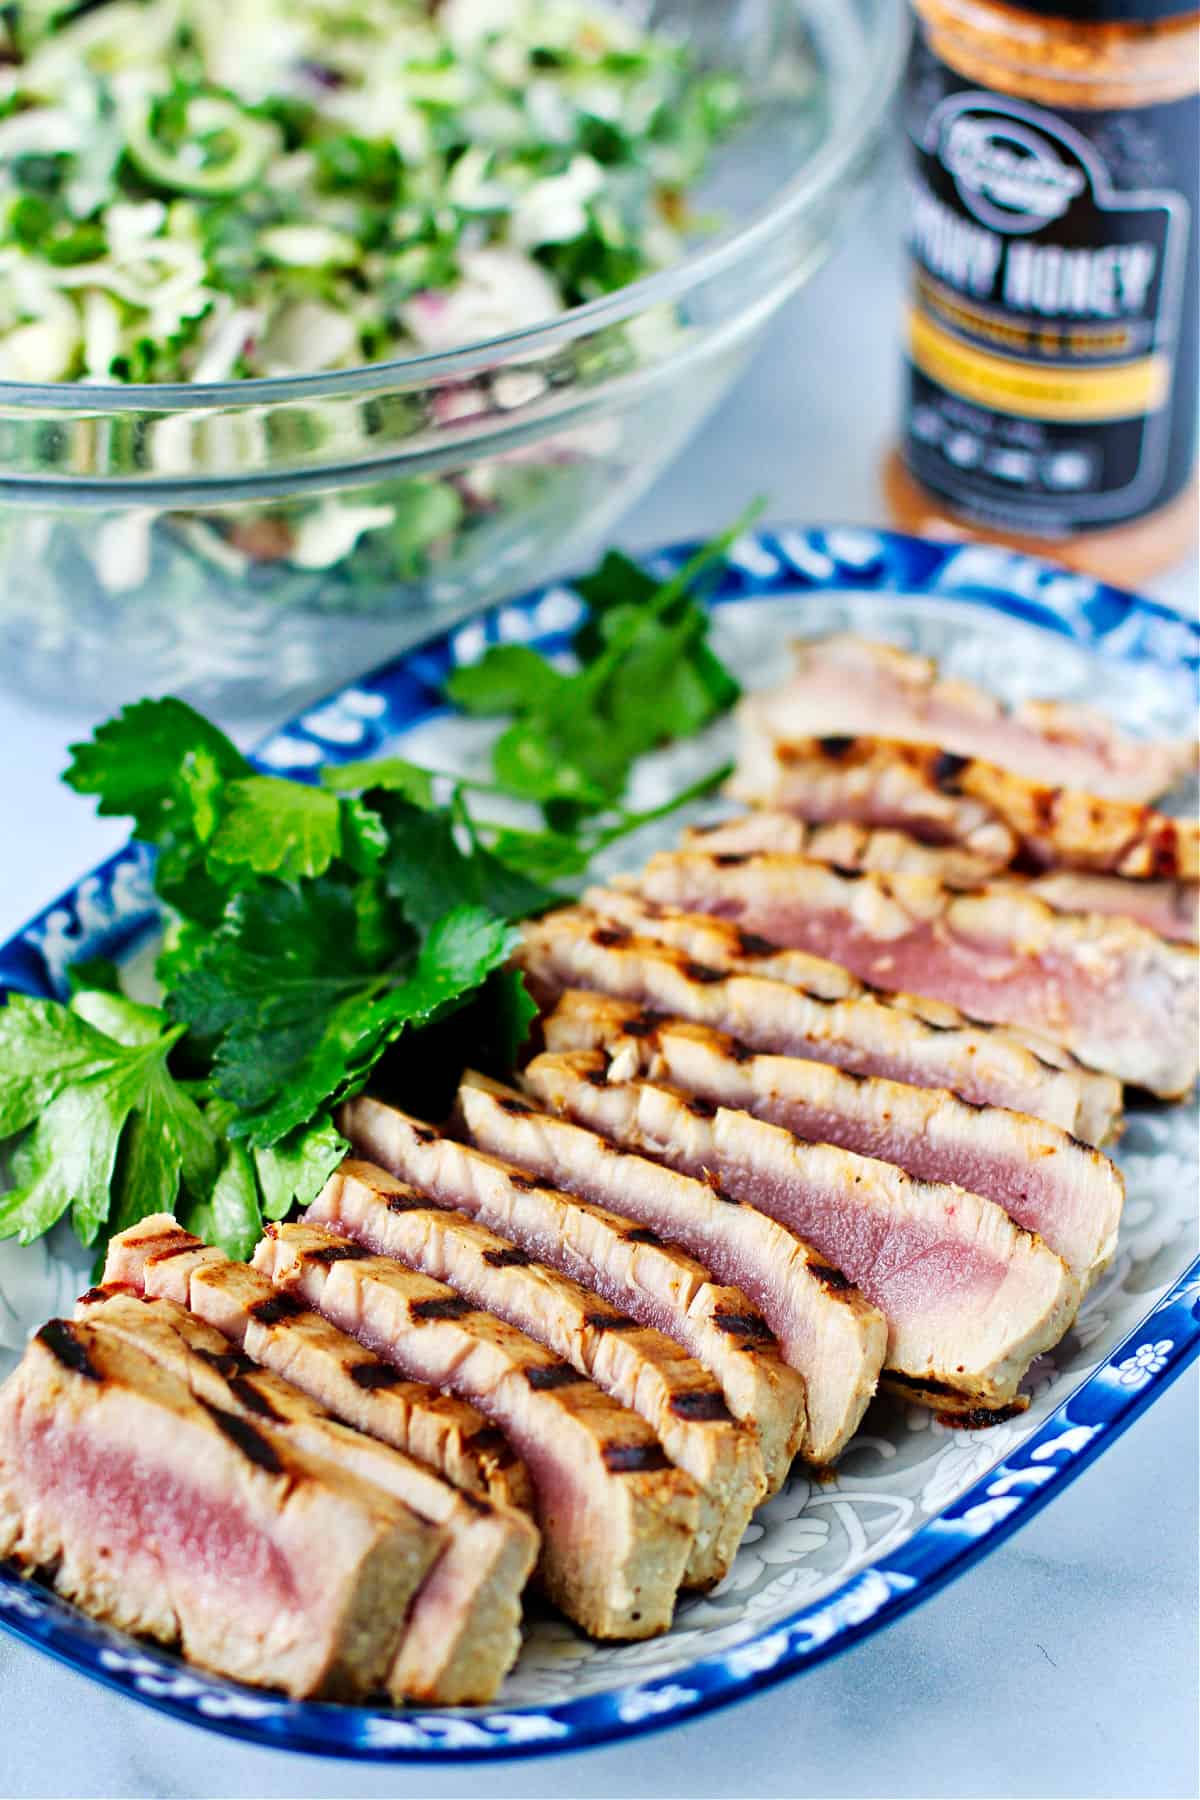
(769, 564)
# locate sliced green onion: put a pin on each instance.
(224, 152)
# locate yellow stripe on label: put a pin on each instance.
(1050, 391)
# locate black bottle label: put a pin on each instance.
(1052, 330)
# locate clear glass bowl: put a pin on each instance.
(245, 542)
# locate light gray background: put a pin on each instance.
(1065, 1664)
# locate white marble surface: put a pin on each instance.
(1064, 1665)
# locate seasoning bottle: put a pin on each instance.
(1051, 384)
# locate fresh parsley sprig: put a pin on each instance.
(318, 933)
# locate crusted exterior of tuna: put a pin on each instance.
(463, 1632)
(1117, 996)
(149, 1508)
(747, 994)
(634, 1270)
(844, 686)
(1171, 908)
(970, 1298)
(826, 1329)
(617, 1519)
(637, 1365)
(949, 799)
(1045, 1179)
(845, 844)
(158, 1257)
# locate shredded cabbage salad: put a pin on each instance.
(198, 190)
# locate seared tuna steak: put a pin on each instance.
(159, 1258)
(1045, 1179)
(970, 1298)
(846, 845)
(153, 1510)
(464, 1626)
(634, 1270)
(1171, 908)
(947, 799)
(1118, 997)
(743, 987)
(845, 686)
(826, 1329)
(634, 1363)
(617, 1520)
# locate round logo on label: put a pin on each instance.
(1009, 175)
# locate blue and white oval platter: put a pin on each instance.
(914, 1503)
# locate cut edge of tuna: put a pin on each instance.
(825, 1327)
(158, 1256)
(617, 1519)
(740, 986)
(463, 1632)
(969, 1297)
(847, 845)
(1045, 1179)
(148, 1508)
(1119, 998)
(637, 1365)
(628, 1265)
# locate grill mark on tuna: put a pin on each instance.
(611, 937)
(277, 1308)
(228, 1362)
(701, 1109)
(642, 1234)
(406, 1203)
(730, 859)
(750, 943)
(371, 1376)
(703, 973)
(161, 1256)
(453, 1306)
(511, 1257)
(542, 1378)
(489, 1440)
(741, 1053)
(828, 1276)
(703, 1404)
(847, 873)
(946, 770)
(835, 746)
(743, 1325)
(526, 1184)
(510, 1104)
(642, 1025)
(605, 1321)
(65, 1345)
(335, 1253)
(424, 1134)
(597, 1078)
(245, 1390)
(712, 1181)
(634, 1459)
(978, 1418)
(248, 1439)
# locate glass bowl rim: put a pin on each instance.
(860, 112)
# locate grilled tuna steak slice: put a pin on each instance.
(159, 1258)
(844, 686)
(638, 1366)
(826, 1329)
(617, 1520)
(1171, 908)
(1115, 995)
(151, 1508)
(464, 1627)
(1045, 1179)
(969, 1298)
(735, 982)
(948, 799)
(651, 1281)
(846, 845)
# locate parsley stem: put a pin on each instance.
(633, 821)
